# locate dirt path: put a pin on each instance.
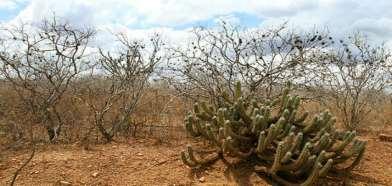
(145, 163)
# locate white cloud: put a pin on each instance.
(161, 12)
(7, 4)
(11, 4)
(88, 12)
(176, 12)
(374, 18)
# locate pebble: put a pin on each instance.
(95, 174)
(65, 183)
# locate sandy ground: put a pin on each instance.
(144, 162)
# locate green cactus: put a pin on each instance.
(290, 148)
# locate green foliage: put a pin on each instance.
(286, 146)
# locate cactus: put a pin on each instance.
(289, 148)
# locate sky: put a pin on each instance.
(174, 18)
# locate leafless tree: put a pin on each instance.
(351, 75)
(120, 77)
(262, 60)
(40, 62)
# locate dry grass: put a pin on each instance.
(152, 157)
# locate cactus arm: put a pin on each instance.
(318, 135)
(306, 166)
(287, 157)
(357, 159)
(278, 157)
(230, 147)
(226, 97)
(276, 178)
(203, 115)
(200, 113)
(297, 142)
(299, 162)
(212, 137)
(321, 144)
(286, 130)
(280, 124)
(300, 120)
(186, 160)
(312, 179)
(349, 136)
(312, 126)
(229, 132)
(356, 149)
(288, 142)
(221, 117)
(270, 137)
(209, 111)
(292, 116)
(261, 141)
(189, 125)
(258, 124)
(266, 112)
(284, 98)
(237, 91)
(326, 168)
(189, 158)
(317, 170)
(221, 134)
(241, 110)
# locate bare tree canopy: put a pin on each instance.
(40, 61)
(120, 79)
(262, 59)
(351, 74)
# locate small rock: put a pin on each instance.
(139, 154)
(202, 179)
(65, 183)
(95, 174)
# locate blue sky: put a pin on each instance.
(10, 10)
(176, 17)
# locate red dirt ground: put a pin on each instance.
(143, 162)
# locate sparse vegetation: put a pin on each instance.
(57, 88)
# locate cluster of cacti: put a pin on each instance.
(287, 147)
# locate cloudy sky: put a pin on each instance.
(175, 17)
